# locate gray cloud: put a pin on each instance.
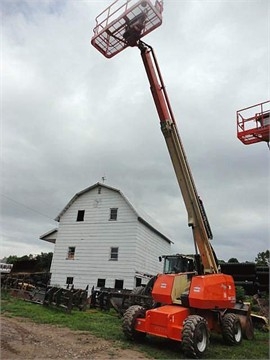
(70, 116)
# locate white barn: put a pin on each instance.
(102, 240)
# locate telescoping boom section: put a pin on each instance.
(196, 215)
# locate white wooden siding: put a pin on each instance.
(149, 247)
(138, 246)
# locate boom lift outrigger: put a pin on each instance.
(189, 304)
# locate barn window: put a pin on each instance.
(71, 253)
(80, 215)
(69, 280)
(114, 253)
(119, 284)
(138, 282)
(101, 282)
(113, 214)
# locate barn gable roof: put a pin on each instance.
(142, 217)
(50, 236)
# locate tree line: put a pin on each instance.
(262, 259)
(42, 260)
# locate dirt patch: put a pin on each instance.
(23, 339)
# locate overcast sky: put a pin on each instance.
(70, 117)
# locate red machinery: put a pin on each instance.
(253, 123)
(189, 304)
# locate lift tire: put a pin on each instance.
(231, 329)
(129, 321)
(195, 336)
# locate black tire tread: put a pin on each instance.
(129, 319)
(228, 323)
(189, 327)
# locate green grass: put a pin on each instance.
(107, 325)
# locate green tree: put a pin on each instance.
(262, 258)
(221, 261)
(12, 259)
(26, 257)
(45, 260)
(233, 260)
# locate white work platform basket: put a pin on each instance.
(124, 23)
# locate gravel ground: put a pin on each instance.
(23, 339)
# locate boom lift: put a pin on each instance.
(191, 303)
(253, 123)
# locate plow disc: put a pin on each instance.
(247, 326)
